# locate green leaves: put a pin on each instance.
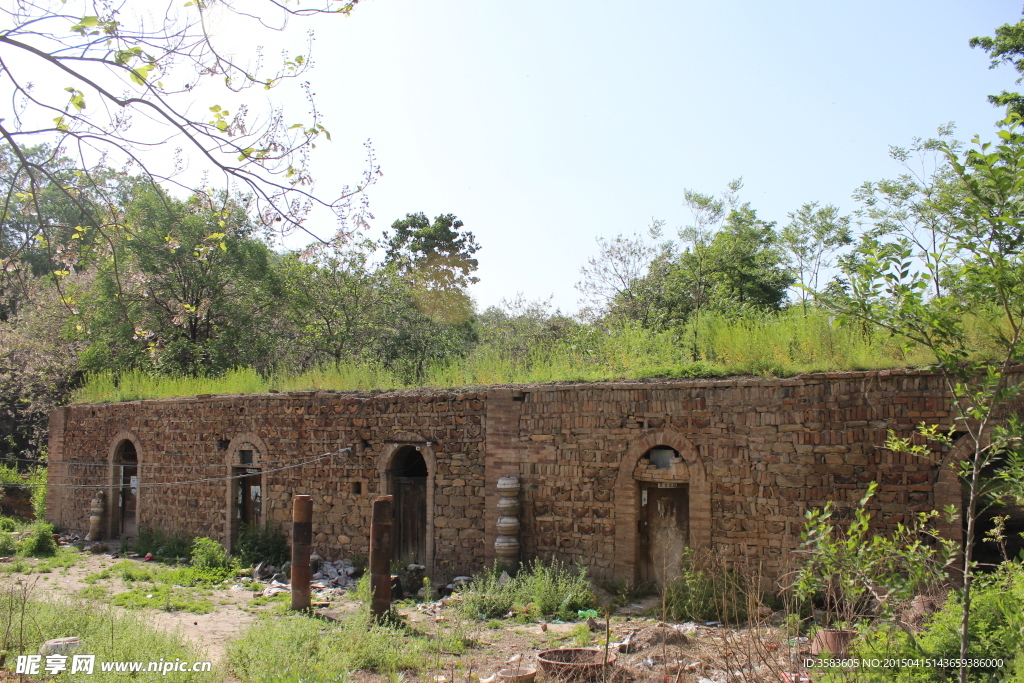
(77, 98)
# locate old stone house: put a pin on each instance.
(617, 476)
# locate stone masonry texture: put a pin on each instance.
(756, 454)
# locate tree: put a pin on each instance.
(116, 84)
(436, 260)
(613, 281)
(982, 249)
(186, 290)
(811, 237)
(339, 303)
(1007, 47)
(751, 267)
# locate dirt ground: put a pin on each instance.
(655, 651)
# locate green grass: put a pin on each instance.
(130, 571)
(61, 559)
(297, 647)
(781, 344)
(110, 635)
(166, 597)
(538, 590)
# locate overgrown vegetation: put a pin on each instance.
(160, 545)
(112, 635)
(537, 590)
(299, 647)
(705, 590)
(256, 544)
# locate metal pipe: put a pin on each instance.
(302, 539)
(380, 557)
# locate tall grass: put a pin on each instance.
(775, 345)
(108, 634)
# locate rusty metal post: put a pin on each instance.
(380, 557)
(302, 539)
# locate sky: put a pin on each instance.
(545, 126)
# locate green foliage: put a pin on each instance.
(847, 567)
(7, 544)
(704, 591)
(8, 524)
(538, 590)
(996, 632)
(773, 344)
(581, 635)
(158, 543)
(257, 545)
(209, 554)
(39, 541)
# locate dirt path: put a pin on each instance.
(210, 632)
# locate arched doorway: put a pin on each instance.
(663, 514)
(664, 469)
(407, 477)
(126, 471)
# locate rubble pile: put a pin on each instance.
(337, 574)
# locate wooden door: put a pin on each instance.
(129, 499)
(249, 502)
(663, 531)
(409, 532)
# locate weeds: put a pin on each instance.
(774, 344)
(209, 554)
(704, 591)
(257, 545)
(537, 590)
(39, 541)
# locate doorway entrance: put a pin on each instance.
(663, 530)
(128, 485)
(248, 499)
(407, 477)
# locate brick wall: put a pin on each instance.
(754, 453)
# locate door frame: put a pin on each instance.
(384, 466)
(626, 492)
(112, 526)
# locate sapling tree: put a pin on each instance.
(979, 260)
(859, 573)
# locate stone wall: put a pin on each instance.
(754, 455)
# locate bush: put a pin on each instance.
(209, 554)
(39, 541)
(7, 545)
(8, 524)
(257, 545)
(556, 589)
(996, 632)
(160, 544)
(538, 590)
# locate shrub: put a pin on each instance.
(996, 632)
(489, 596)
(39, 541)
(7, 545)
(257, 545)
(209, 554)
(538, 590)
(158, 543)
(555, 589)
(8, 524)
